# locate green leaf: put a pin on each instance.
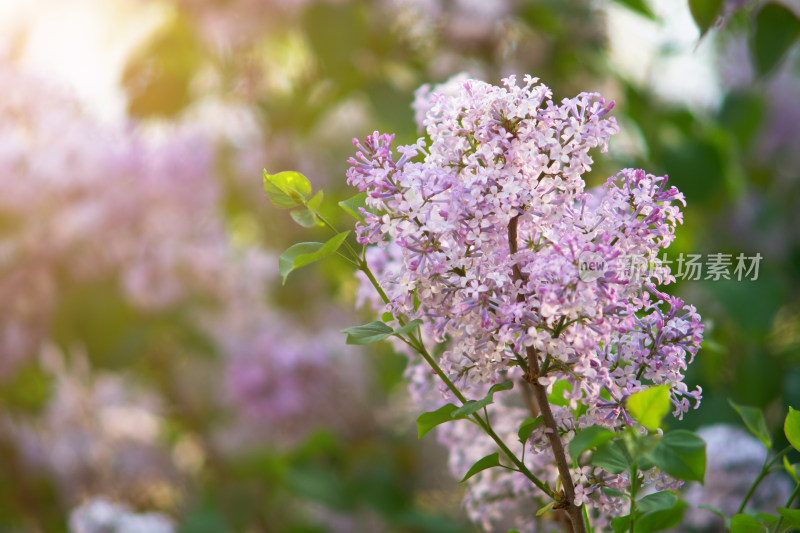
(287, 189)
(790, 516)
(545, 508)
(473, 406)
(556, 397)
(704, 13)
(714, 510)
(368, 333)
(776, 30)
(791, 470)
(305, 217)
(352, 205)
(316, 201)
(753, 418)
(621, 524)
(408, 328)
(428, 421)
(638, 6)
(661, 519)
(588, 438)
(791, 428)
(527, 427)
(305, 253)
(658, 501)
(487, 462)
(376, 331)
(650, 405)
(681, 454)
(768, 519)
(742, 523)
(613, 456)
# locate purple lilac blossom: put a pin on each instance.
(85, 201)
(98, 434)
(440, 226)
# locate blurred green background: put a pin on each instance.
(706, 91)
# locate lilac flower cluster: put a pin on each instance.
(481, 241)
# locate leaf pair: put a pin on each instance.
(305, 253)
(377, 331)
(679, 453)
(446, 413)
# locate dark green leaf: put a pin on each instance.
(790, 516)
(287, 189)
(681, 454)
(742, 523)
(473, 406)
(661, 519)
(621, 524)
(376, 331)
(704, 13)
(658, 501)
(776, 30)
(753, 418)
(639, 6)
(588, 438)
(352, 205)
(768, 519)
(305, 253)
(408, 328)
(649, 406)
(428, 421)
(527, 427)
(791, 428)
(613, 456)
(487, 462)
(368, 333)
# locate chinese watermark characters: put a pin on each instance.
(689, 267)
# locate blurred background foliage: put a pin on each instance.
(707, 92)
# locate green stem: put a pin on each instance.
(634, 490)
(788, 506)
(419, 346)
(336, 232)
(765, 469)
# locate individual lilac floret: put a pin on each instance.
(505, 165)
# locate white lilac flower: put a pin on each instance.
(100, 515)
(504, 163)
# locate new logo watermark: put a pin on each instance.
(591, 266)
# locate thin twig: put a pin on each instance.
(575, 512)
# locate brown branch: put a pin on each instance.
(575, 512)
